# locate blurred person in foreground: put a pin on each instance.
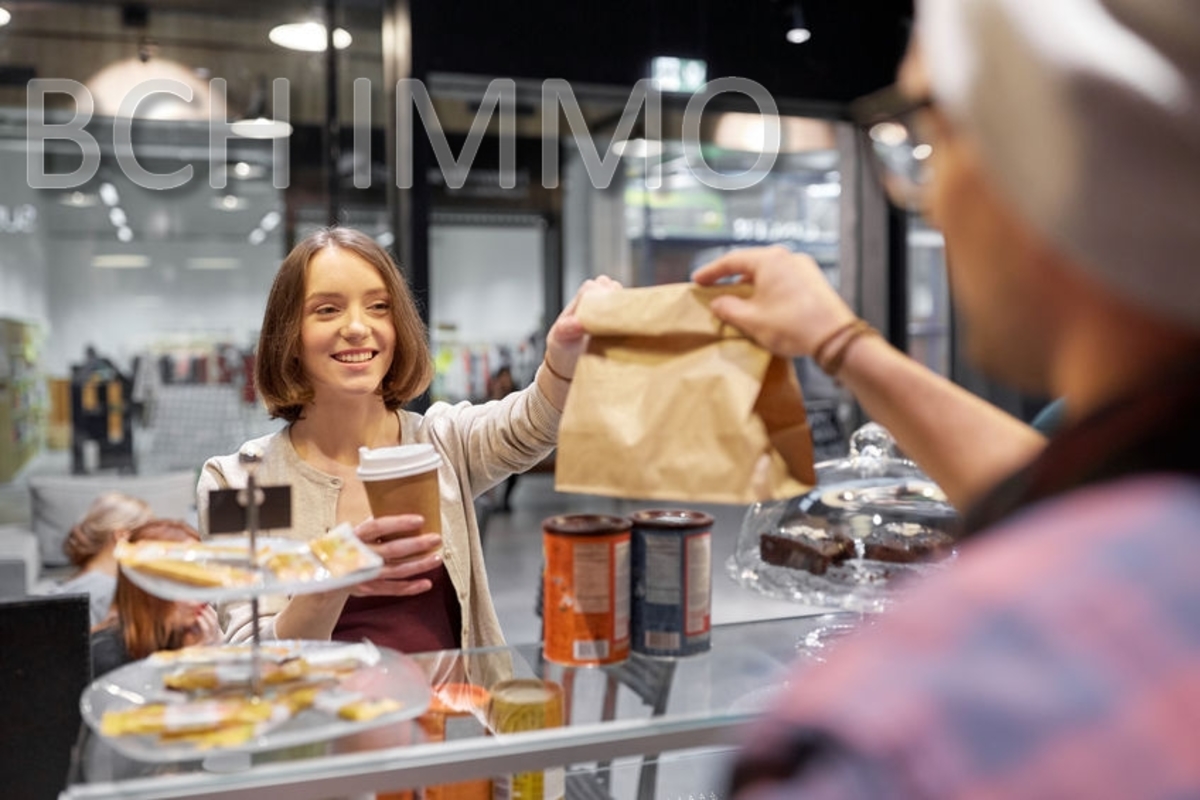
(90, 545)
(342, 349)
(140, 623)
(1059, 656)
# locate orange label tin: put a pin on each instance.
(457, 711)
(585, 606)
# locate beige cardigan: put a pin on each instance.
(480, 446)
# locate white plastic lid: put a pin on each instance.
(401, 461)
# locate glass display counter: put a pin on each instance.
(618, 720)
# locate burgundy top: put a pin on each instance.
(428, 621)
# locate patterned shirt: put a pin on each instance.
(1058, 658)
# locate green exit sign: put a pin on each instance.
(671, 74)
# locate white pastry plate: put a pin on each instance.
(233, 552)
(393, 675)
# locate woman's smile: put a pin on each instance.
(347, 320)
(355, 356)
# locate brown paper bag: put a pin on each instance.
(669, 403)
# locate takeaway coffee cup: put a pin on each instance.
(403, 480)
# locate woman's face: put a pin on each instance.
(346, 334)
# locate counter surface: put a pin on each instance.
(641, 706)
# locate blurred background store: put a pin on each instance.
(128, 311)
(164, 286)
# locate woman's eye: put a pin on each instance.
(325, 310)
(381, 306)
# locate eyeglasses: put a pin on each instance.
(889, 119)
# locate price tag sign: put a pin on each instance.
(227, 509)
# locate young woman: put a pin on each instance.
(341, 350)
(140, 623)
(89, 546)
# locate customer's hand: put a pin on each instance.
(192, 625)
(566, 340)
(792, 308)
(405, 551)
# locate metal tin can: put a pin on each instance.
(585, 598)
(457, 711)
(672, 582)
(527, 704)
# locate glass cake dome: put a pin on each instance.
(873, 521)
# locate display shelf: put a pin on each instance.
(382, 672)
(706, 700)
(224, 701)
(22, 396)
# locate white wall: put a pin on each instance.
(22, 255)
(486, 281)
(122, 311)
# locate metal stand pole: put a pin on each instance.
(250, 457)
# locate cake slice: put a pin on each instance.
(805, 548)
(907, 542)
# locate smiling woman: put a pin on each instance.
(342, 349)
(311, 291)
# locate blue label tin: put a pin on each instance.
(671, 612)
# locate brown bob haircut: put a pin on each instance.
(278, 373)
(145, 618)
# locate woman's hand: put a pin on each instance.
(406, 553)
(792, 308)
(565, 342)
(201, 626)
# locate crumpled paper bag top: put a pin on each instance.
(669, 403)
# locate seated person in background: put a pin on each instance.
(90, 544)
(1057, 147)
(140, 623)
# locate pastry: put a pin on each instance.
(806, 548)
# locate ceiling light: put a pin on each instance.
(78, 200)
(261, 128)
(116, 215)
(823, 189)
(258, 236)
(244, 171)
(5, 17)
(258, 122)
(108, 193)
(270, 221)
(124, 234)
(308, 36)
(214, 262)
(798, 32)
(228, 202)
(637, 148)
(121, 261)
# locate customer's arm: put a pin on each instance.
(964, 443)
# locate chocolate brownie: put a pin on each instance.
(906, 542)
(802, 547)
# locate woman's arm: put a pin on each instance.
(565, 343)
(501, 437)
